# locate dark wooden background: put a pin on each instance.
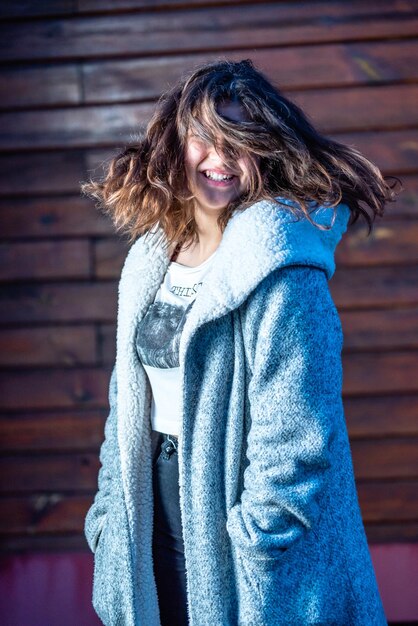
(77, 80)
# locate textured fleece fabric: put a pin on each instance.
(273, 533)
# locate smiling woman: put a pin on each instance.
(227, 494)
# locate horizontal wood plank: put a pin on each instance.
(45, 85)
(296, 10)
(380, 373)
(83, 430)
(394, 152)
(71, 302)
(380, 287)
(73, 128)
(302, 67)
(107, 334)
(359, 108)
(59, 216)
(58, 512)
(211, 28)
(387, 329)
(393, 458)
(109, 255)
(64, 431)
(390, 242)
(33, 8)
(61, 171)
(72, 216)
(378, 460)
(406, 204)
(331, 110)
(388, 501)
(48, 472)
(57, 172)
(290, 68)
(12, 544)
(43, 513)
(403, 532)
(52, 345)
(351, 289)
(53, 389)
(382, 416)
(45, 260)
(364, 374)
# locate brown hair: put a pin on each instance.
(146, 183)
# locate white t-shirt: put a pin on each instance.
(158, 338)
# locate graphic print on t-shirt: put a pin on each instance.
(159, 332)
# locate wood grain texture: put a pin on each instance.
(292, 68)
(78, 81)
(211, 28)
(48, 346)
(64, 431)
(331, 110)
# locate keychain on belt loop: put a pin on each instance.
(169, 446)
(172, 441)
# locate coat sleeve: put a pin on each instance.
(97, 512)
(293, 340)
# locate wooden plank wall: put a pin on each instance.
(77, 77)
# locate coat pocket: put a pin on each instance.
(113, 591)
(100, 574)
(250, 577)
(249, 580)
(260, 584)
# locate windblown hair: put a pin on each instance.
(146, 183)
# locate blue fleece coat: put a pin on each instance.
(273, 533)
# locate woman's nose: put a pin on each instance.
(217, 157)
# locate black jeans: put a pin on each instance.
(168, 547)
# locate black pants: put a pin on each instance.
(168, 547)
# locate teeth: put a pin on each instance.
(214, 176)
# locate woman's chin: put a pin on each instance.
(215, 202)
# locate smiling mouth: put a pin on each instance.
(228, 181)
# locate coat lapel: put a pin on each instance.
(256, 241)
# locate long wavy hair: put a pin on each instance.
(146, 183)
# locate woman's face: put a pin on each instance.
(205, 167)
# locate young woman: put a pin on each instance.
(226, 493)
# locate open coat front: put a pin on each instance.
(272, 528)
